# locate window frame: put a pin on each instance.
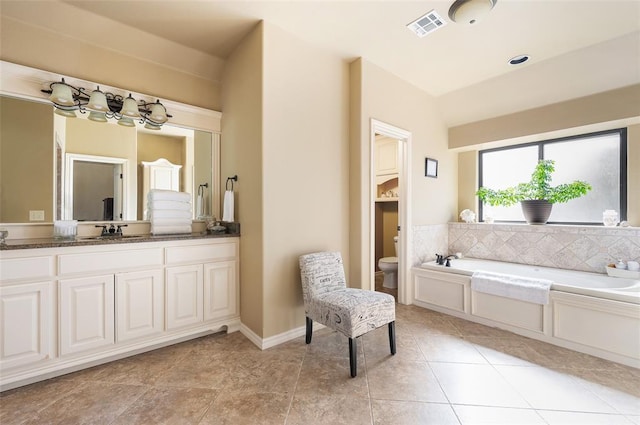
(622, 134)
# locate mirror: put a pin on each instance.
(52, 167)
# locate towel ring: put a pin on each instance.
(231, 179)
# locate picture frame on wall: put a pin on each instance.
(431, 168)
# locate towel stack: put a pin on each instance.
(169, 212)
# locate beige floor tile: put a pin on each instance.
(326, 376)
(245, 408)
(94, 403)
(579, 418)
(334, 410)
(547, 389)
(450, 349)
(505, 351)
(23, 403)
(211, 374)
(376, 346)
(476, 384)
(168, 406)
(387, 412)
(482, 415)
(617, 387)
(634, 419)
(397, 379)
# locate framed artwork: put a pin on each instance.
(431, 167)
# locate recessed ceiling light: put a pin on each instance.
(517, 60)
(470, 11)
(429, 22)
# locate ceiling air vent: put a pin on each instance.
(427, 23)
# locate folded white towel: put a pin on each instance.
(170, 221)
(169, 230)
(168, 195)
(169, 205)
(517, 287)
(182, 214)
(227, 213)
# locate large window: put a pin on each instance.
(599, 159)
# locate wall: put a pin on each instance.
(378, 94)
(42, 35)
(584, 248)
(241, 154)
(26, 164)
(305, 168)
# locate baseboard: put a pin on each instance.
(272, 341)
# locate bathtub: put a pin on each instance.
(587, 312)
(576, 282)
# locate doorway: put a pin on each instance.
(390, 203)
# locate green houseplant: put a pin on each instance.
(536, 196)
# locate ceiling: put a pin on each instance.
(578, 47)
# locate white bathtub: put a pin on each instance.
(587, 312)
(576, 282)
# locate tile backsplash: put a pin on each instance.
(427, 241)
(585, 248)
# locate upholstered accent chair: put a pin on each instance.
(350, 311)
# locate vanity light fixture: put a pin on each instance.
(470, 11)
(102, 106)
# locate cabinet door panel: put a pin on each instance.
(184, 296)
(86, 313)
(140, 304)
(220, 297)
(24, 326)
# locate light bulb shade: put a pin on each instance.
(97, 116)
(152, 126)
(158, 113)
(61, 94)
(126, 122)
(470, 11)
(98, 101)
(68, 113)
(130, 108)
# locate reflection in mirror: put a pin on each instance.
(42, 155)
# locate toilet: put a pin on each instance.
(389, 266)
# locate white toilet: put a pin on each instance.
(389, 266)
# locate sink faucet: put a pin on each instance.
(110, 230)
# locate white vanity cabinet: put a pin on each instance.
(86, 313)
(139, 304)
(70, 307)
(25, 314)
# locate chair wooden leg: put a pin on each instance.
(353, 357)
(309, 330)
(392, 337)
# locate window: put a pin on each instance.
(597, 158)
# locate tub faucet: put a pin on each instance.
(448, 259)
(439, 259)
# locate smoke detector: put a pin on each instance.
(427, 23)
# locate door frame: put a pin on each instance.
(405, 235)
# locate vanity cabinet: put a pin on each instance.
(184, 296)
(139, 304)
(28, 305)
(71, 307)
(86, 313)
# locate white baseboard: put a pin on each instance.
(272, 341)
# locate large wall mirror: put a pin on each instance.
(58, 168)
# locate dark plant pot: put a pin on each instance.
(536, 211)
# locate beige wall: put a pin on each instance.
(26, 160)
(387, 98)
(43, 37)
(241, 153)
(578, 116)
(305, 168)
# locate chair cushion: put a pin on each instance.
(352, 312)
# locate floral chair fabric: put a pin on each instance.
(352, 312)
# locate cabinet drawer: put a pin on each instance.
(109, 261)
(26, 268)
(201, 253)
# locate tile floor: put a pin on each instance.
(446, 371)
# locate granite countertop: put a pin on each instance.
(12, 244)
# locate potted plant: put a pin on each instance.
(537, 196)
